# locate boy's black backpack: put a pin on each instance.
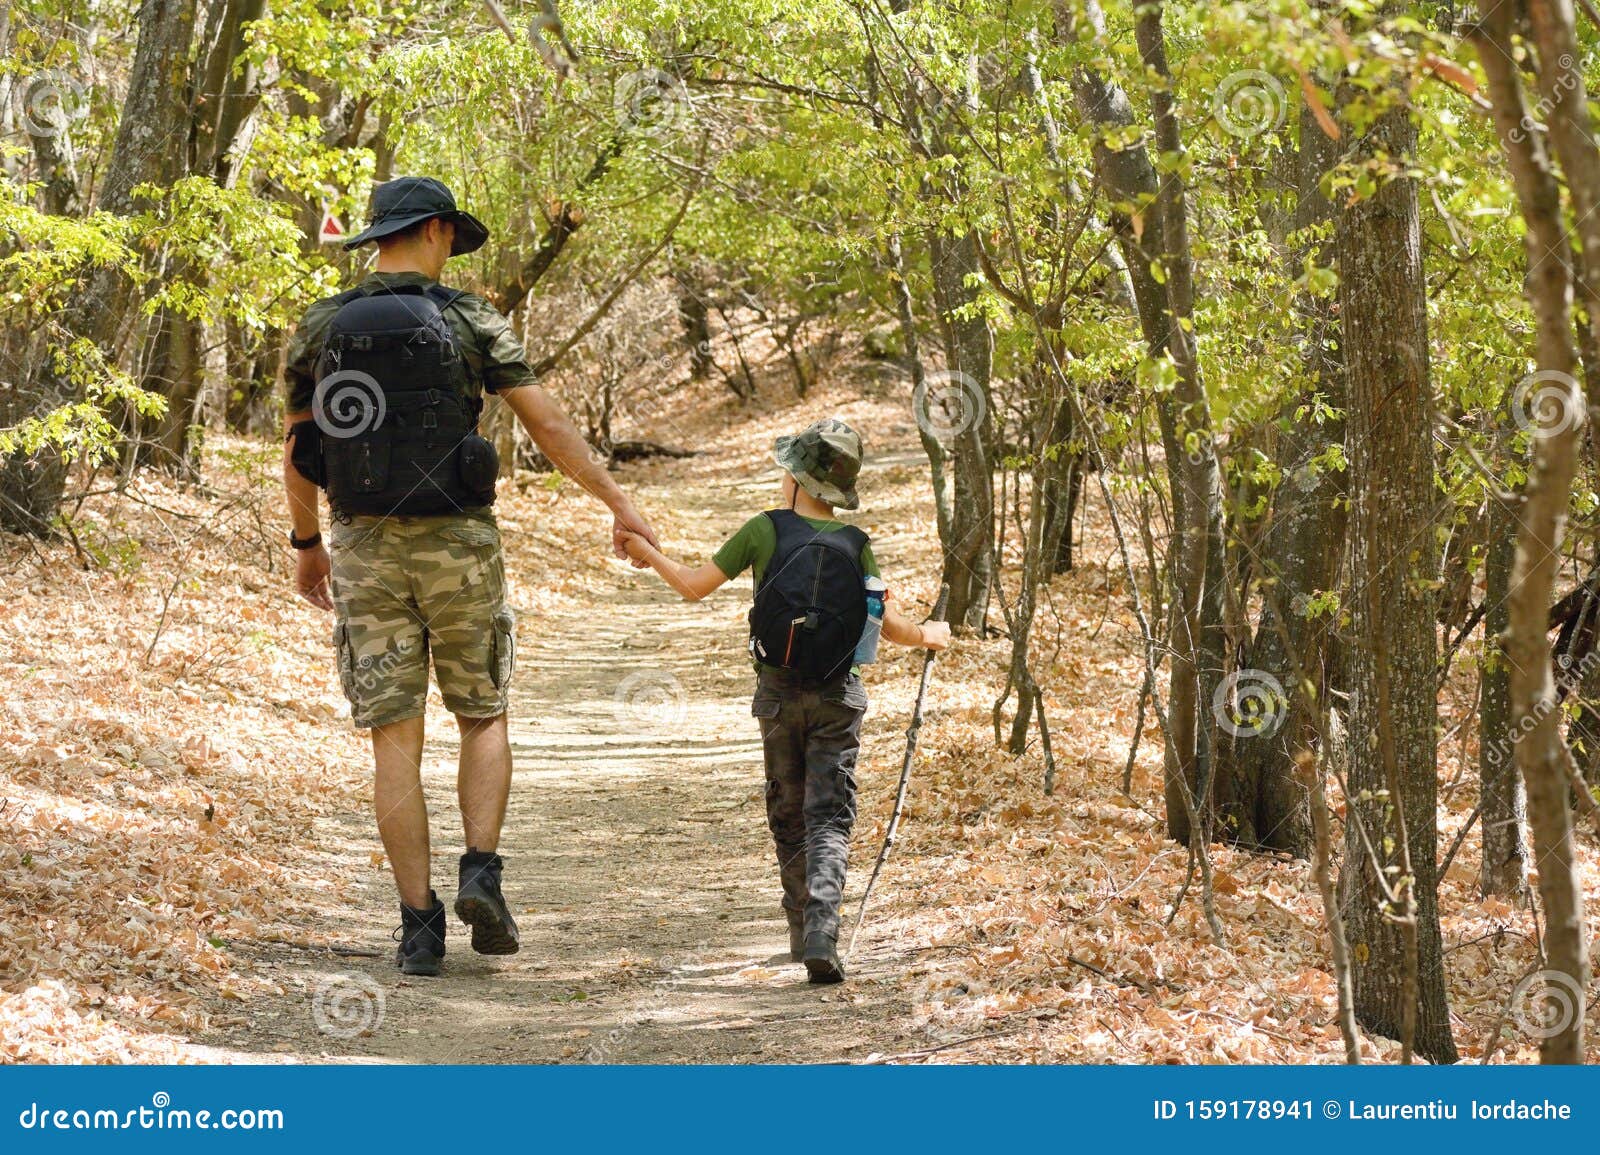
(811, 605)
(398, 431)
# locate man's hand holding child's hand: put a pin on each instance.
(637, 546)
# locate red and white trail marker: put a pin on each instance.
(331, 231)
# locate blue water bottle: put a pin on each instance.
(867, 647)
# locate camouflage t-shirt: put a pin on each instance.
(495, 358)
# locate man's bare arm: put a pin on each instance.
(312, 566)
(559, 440)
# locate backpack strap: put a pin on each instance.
(442, 296)
(849, 540)
(445, 297)
(775, 516)
(858, 537)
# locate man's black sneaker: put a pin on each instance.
(797, 935)
(480, 905)
(421, 938)
(822, 959)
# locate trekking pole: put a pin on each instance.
(905, 773)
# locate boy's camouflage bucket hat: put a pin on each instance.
(825, 460)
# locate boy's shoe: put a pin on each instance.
(822, 959)
(797, 935)
(421, 938)
(480, 905)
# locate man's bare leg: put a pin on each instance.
(483, 784)
(402, 812)
(483, 780)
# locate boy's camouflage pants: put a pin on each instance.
(810, 737)
(405, 588)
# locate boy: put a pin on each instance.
(810, 606)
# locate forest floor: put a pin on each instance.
(189, 870)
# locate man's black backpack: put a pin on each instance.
(398, 432)
(811, 605)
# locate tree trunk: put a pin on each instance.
(964, 394)
(1555, 407)
(695, 318)
(150, 148)
(1129, 177)
(1049, 410)
(1505, 870)
(171, 442)
(1301, 550)
(1062, 490)
(228, 94)
(56, 171)
(905, 314)
(252, 376)
(937, 458)
(1198, 605)
(1388, 875)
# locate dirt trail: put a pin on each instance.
(638, 863)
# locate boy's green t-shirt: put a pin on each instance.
(756, 540)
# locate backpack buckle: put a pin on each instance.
(446, 337)
(361, 342)
(433, 397)
(430, 419)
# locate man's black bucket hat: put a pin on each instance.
(400, 203)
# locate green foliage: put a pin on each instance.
(247, 249)
(809, 135)
(82, 430)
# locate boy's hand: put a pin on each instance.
(634, 545)
(935, 635)
(631, 526)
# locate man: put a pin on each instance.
(384, 389)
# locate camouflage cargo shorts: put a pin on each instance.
(405, 588)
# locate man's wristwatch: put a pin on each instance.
(305, 542)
